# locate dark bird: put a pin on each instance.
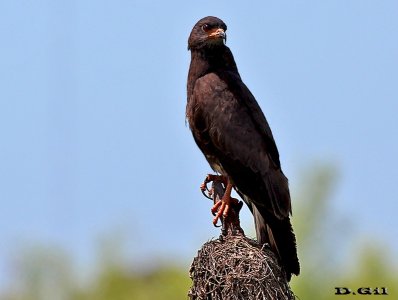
(231, 130)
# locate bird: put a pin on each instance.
(232, 132)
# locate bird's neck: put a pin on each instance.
(208, 60)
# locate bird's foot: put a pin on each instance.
(208, 193)
(222, 207)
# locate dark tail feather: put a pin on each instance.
(279, 235)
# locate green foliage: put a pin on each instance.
(321, 234)
(119, 284)
(45, 273)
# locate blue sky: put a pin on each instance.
(92, 115)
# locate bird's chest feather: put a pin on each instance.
(210, 106)
(209, 110)
(212, 101)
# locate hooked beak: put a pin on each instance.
(217, 33)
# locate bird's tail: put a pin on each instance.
(279, 235)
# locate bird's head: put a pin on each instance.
(207, 32)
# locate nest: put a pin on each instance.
(236, 267)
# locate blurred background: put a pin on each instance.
(99, 174)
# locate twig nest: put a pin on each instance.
(236, 267)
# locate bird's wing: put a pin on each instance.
(246, 98)
(240, 137)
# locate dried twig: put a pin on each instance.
(236, 267)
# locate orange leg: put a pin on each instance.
(222, 207)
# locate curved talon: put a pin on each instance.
(204, 188)
(215, 208)
(217, 226)
(222, 211)
(218, 215)
(207, 196)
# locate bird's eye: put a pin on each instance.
(205, 27)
